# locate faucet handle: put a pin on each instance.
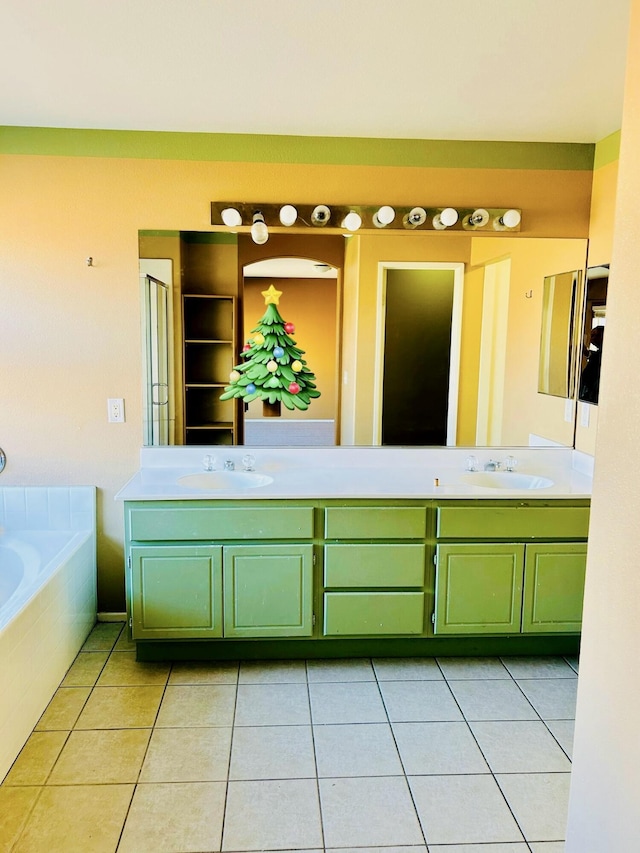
(249, 462)
(510, 463)
(209, 462)
(472, 463)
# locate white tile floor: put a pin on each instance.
(397, 755)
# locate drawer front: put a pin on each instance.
(513, 522)
(373, 613)
(189, 522)
(379, 522)
(374, 565)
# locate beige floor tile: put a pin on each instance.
(104, 756)
(540, 802)
(122, 670)
(520, 746)
(479, 848)
(419, 701)
(188, 755)
(463, 668)
(574, 663)
(407, 669)
(368, 811)
(103, 637)
(36, 759)
(218, 672)
(272, 672)
(76, 819)
(64, 709)
(346, 703)
(347, 669)
(438, 749)
(414, 848)
(272, 752)
(463, 810)
(197, 705)
(492, 700)
(363, 749)
(166, 818)
(272, 705)
(120, 708)
(553, 698)
(547, 847)
(124, 644)
(85, 669)
(538, 667)
(273, 815)
(563, 731)
(15, 808)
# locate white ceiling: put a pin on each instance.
(533, 70)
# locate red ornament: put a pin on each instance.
(294, 388)
(289, 328)
(246, 348)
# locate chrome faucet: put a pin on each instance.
(209, 462)
(492, 465)
(229, 465)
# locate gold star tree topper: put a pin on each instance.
(271, 296)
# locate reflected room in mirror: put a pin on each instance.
(595, 310)
(366, 322)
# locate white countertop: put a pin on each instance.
(374, 473)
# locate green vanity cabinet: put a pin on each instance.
(374, 588)
(510, 587)
(176, 591)
(268, 590)
(479, 588)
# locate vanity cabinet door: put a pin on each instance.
(478, 588)
(268, 590)
(176, 592)
(554, 587)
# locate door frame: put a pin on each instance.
(456, 341)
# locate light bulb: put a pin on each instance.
(449, 216)
(320, 214)
(231, 217)
(352, 221)
(477, 219)
(384, 216)
(259, 230)
(288, 215)
(511, 218)
(416, 216)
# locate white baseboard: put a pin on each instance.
(112, 617)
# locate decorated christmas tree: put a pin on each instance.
(274, 370)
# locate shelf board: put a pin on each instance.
(222, 425)
(206, 384)
(207, 341)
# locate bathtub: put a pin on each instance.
(47, 599)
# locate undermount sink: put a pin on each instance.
(210, 480)
(506, 480)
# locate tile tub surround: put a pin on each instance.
(363, 472)
(42, 639)
(196, 757)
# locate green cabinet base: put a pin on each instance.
(515, 644)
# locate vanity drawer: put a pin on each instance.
(373, 613)
(160, 524)
(376, 522)
(374, 565)
(512, 522)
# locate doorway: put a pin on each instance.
(418, 349)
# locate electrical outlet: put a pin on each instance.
(584, 414)
(115, 410)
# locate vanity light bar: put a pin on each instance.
(349, 218)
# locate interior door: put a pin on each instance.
(416, 385)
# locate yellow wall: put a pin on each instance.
(70, 335)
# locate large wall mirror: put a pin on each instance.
(365, 312)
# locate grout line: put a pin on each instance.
(315, 758)
(228, 781)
